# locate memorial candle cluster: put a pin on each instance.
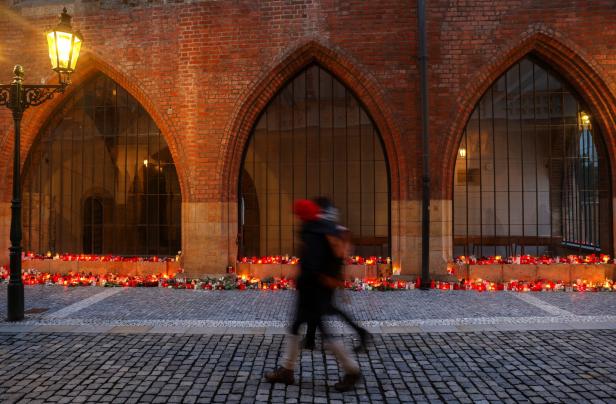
(95, 258)
(532, 260)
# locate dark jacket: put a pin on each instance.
(316, 257)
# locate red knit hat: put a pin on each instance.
(306, 210)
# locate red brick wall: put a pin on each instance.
(205, 70)
(472, 43)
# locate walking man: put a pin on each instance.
(319, 249)
(334, 277)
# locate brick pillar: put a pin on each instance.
(208, 237)
(406, 237)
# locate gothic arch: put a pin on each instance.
(101, 142)
(362, 84)
(569, 60)
(89, 65)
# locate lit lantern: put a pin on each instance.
(584, 121)
(64, 45)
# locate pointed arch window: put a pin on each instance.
(100, 179)
(532, 174)
(313, 139)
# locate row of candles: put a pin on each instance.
(285, 259)
(33, 277)
(273, 259)
(354, 260)
(532, 260)
(97, 258)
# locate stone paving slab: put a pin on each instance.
(16, 327)
(399, 329)
(51, 297)
(275, 331)
(167, 330)
(93, 328)
(536, 366)
(55, 328)
(586, 303)
(571, 324)
(97, 304)
(591, 325)
(277, 305)
(439, 328)
(541, 326)
(130, 329)
(476, 327)
(206, 330)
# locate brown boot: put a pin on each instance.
(280, 375)
(347, 382)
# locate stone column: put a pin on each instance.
(441, 237)
(208, 245)
(406, 237)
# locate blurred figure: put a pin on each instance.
(319, 248)
(333, 277)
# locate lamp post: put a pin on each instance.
(64, 45)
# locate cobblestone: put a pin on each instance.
(161, 345)
(536, 366)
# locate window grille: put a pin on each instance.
(100, 179)
(531, 174)
(313, 139)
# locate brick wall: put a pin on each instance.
(205, 69)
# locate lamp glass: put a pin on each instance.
(64, 50)
(76, 48)
(51, 45)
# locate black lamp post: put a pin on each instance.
(64, 46)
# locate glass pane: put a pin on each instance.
(95, 172)
(531, 165)
(321, 142)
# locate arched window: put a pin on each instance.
(313, 139)
(101, 142)
(532, 174)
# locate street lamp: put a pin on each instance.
(64, 46)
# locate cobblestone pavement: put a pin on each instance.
(50, 298)
(162, 345)
(534, 366)
(582, 303)
(275, 305)
(154, 304)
